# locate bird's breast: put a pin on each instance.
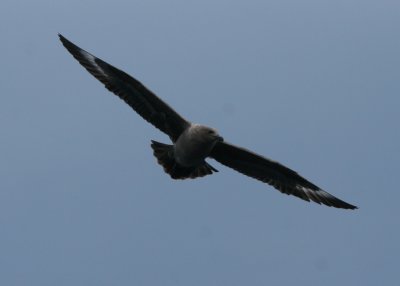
(189, 152)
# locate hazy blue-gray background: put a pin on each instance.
(312, 84)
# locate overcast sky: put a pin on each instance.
(314, 85)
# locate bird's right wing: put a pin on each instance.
(280, 177)
(135, 94)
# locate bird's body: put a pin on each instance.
(186, 157)
(193, 143)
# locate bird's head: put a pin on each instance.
(211, 134)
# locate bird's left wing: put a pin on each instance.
(280, 177)
(134, 93)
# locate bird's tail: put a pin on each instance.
(165, 157)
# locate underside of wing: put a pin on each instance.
(273, 173)
(134, 93)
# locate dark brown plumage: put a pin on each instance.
(193, 143)
(135, 94)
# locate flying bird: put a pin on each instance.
(193, 143)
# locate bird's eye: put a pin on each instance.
(210, 131)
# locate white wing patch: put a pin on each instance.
(92, 60)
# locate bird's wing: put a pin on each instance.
(280, 177)
(134, 93)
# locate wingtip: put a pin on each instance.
(347, 206)
(343, 205)
(64, 40)
(354, 207)
(338, 204)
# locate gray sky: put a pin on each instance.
(83, 202)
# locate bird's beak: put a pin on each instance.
(220, 138)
